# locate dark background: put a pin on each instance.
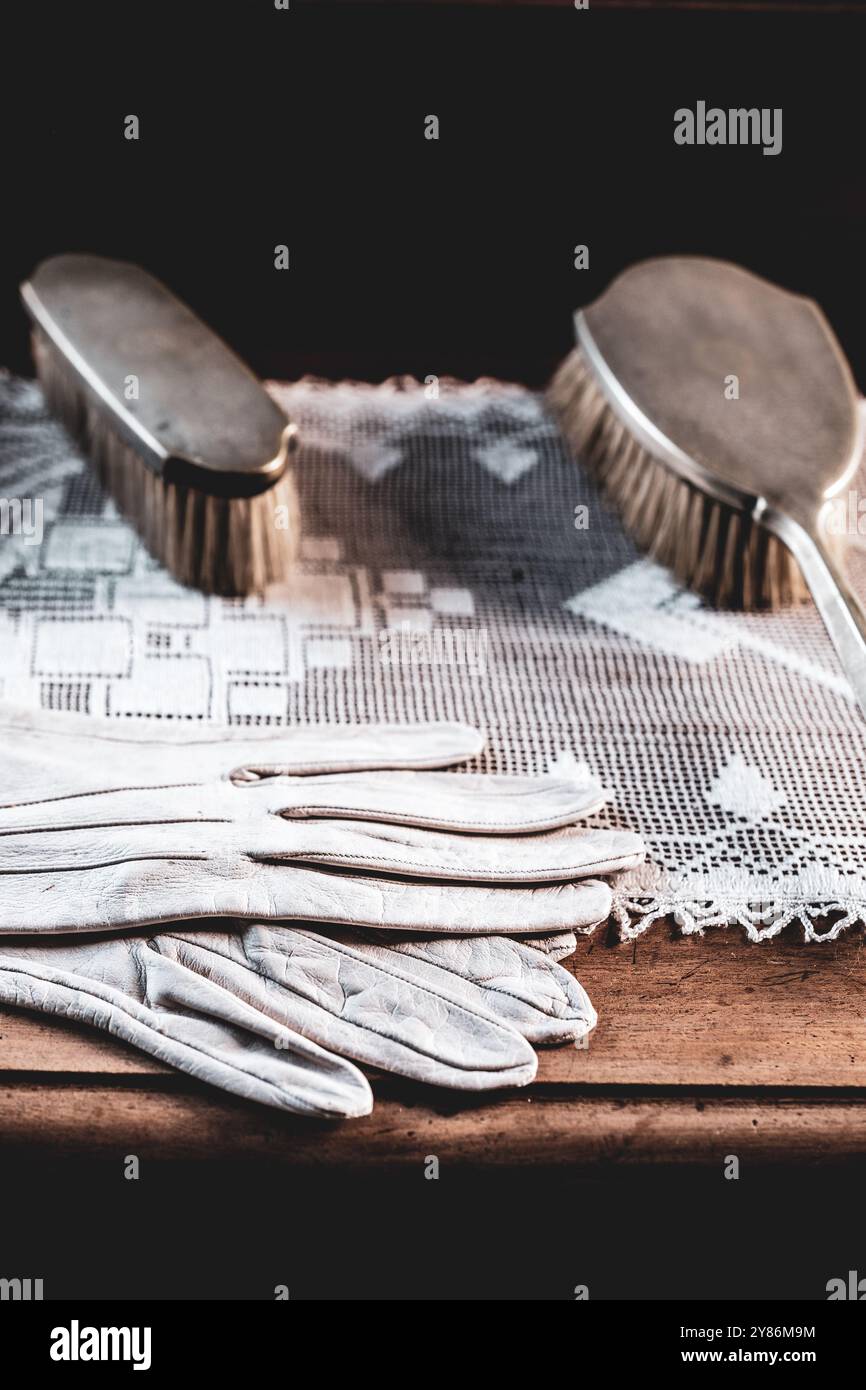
(233, 1231)
(261, 127)
(306, 127)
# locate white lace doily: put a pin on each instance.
(458, 565)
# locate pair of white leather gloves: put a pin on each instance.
(411, 886)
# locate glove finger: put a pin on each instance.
(343, 748)
(127, 988)
(460, 910)
(478, 804)
(343, 996)
(473, 802)
(510, 979)
(303, 749)
(52, 845)
(145, 892)
(92, 754)
(558, 947)
(409, 851)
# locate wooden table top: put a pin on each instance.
(706, 1046)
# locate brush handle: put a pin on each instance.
(843, 614)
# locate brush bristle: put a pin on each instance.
(720, 553)
(221, 545)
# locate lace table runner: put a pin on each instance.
(458, 565)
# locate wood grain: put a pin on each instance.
(184, 1122)
(39, 1044)
(720, 1010)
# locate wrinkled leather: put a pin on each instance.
(273, 1013)
(106, 827)
(406, 880)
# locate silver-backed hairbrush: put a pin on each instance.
(736, 489)
(182, 434)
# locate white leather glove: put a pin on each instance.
(105, 826)
(271, 1012)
